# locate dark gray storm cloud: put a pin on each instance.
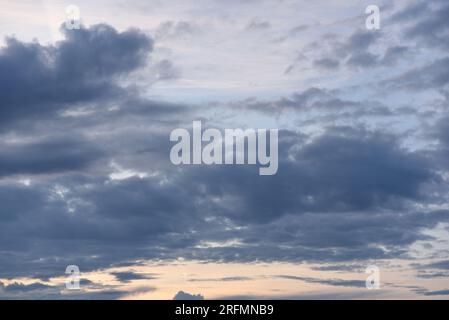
(38, 80)
(355, 175)
(50, 155)
(100, 190)
(340, 171)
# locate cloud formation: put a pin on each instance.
(39, 80)
(85, 176)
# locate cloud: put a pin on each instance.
(443, 265)
(172, 29)
(323, 104)
(359, 53)
(166, 70)
(20, 287)
(431, 293)
(258, 25)
(331, 282)
(315, 295)
(362, 177)
(50, 155)
(434, 75)
(342, 267)
(342, 170)
(413, 11)
(361, 50)
(224, 279)
(85, 176)
(327, 63)
(437, 293)
(431, 27)
(394, 54)
(360, 41)
(39, 80)
(363, 59)
(126, 277)
(432, 275)
(41, 291)
(181, 295)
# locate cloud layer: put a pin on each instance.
(85, 176)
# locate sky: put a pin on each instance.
(86, 177)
